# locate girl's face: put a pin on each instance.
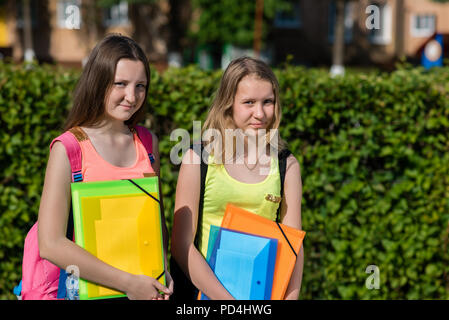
(254, 102)
(127, 93)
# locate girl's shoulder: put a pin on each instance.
(65, 148)
(58, 160)
(292, 166)
(288, 161)
(191, 156)
(70, 137)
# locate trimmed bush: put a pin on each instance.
(374, 155)
(33, 104)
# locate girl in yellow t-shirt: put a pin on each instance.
(242, 129)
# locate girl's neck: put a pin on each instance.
(111, 128)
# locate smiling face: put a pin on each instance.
(127, 92)
(254, 104)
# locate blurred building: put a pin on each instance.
(307, 32)
(65, 31)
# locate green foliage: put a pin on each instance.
(33, 102)
(374, 155)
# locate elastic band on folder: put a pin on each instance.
(287, 239)
(163, 272)
(143, 190)
(160, 275)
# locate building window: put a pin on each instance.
(68, 14)
(423, 25)
(348, 21)
(116, 15)
(288, 19)
(382, 35)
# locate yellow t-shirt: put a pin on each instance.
(221, 189)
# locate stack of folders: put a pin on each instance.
(251, 256)
(119, 222)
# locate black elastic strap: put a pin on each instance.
(288, 241)
(157, 200)
(142, 190)
(160, 275)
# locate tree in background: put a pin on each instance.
(29, 54)
(220, 22)
(149, 20)
(339, 38)
(160, 26)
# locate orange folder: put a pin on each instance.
(242, 220)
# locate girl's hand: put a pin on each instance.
(142, 287)
(170, 283)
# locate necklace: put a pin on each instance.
(255, 165)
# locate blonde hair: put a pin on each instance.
(219, 116)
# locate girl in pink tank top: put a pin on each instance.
(109, 101)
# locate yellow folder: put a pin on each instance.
(121, 225)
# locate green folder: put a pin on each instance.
(119, 222)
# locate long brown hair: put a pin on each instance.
(220, 117)
(97, 79)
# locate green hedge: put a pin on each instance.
(33, 103)
(374, 155)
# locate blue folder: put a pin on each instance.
(243, 263)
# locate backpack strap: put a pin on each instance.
(282, 160)
(70, 141)
(147, 140)
(73, 150)
(203, 174)
(282, 157)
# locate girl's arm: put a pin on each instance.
(55, 247)
(184, 230)
(156, 167)
(291, 216)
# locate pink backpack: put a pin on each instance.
(42, 280)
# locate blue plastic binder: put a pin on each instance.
(243, 263)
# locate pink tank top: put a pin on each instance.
(95, 168)
(40, 276)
